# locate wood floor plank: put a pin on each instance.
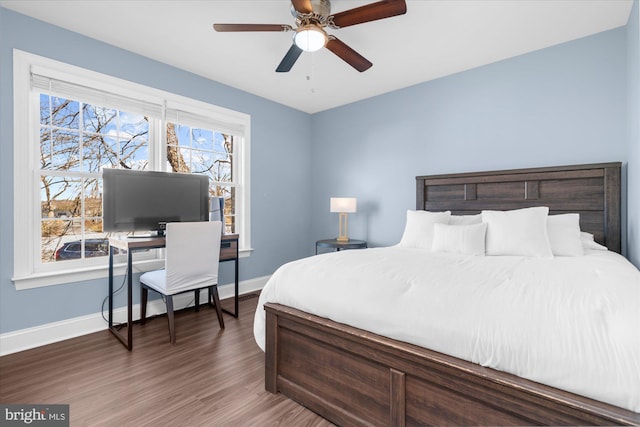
(211, 377)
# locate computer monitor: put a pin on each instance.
(135, 200)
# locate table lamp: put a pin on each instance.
(343, 206)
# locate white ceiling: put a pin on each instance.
(434, 39)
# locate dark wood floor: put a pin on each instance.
(209, 378)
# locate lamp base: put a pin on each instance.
(342, 231)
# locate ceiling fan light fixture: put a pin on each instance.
(310, 38)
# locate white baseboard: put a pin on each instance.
(24, 339)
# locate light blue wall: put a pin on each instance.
(633, 83)
(562, 105)
(279, 134)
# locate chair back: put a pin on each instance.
(192, 255)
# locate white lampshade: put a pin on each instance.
(310, 38)
(343, 204)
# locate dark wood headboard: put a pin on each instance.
(593, 191)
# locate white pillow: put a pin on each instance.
(520, 232)
(564, 234)
(465, 219)
(418, 231)
(459, 239)
(588, 242)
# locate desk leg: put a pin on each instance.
(110, 287)
(129, 300)
(237, 286)
(128, 343)
(236, 289)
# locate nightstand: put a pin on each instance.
(338, 246)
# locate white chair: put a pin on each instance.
(192, 255)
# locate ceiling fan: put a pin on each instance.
(312, 16)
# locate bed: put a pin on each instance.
(353, 376)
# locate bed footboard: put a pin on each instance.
(353, 377)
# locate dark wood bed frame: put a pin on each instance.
(354, 377)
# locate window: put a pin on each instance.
(205, 150)
(76, 141)
(77, 123)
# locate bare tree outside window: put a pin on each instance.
(203, 151)
(77, 140)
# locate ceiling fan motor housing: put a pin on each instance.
(321, 10)
(321, 7)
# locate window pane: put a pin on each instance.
(45, 112)
(99, 119)
(133, 125)
(64, 113)
(224, 143)
(93, 227)
(60, 197)
(62, 151)
(178, 135)
(61, 241)
(134, 140)
(46, 149)
(206, 152)
(53, 234)
(64, 198)
(229, 224)
(185, 157)
(135, 153)
(201, 161)
(229, 194)
(222, 170)
(93, 201)
(176, 159)
(117, 147)
(99, 151)
(203, 139)
(68, 232)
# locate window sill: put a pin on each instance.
(39, 280)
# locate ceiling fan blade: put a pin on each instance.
(289, 59)
(348, 55)
(251, 27)
(370, 12)
(302, 6)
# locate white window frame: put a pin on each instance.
(28, 272)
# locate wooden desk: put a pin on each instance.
(228, 252)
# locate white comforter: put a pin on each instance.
(568, 322)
